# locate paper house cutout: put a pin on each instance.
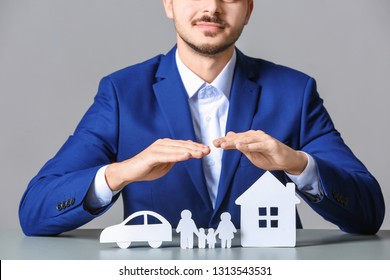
(268, 213)
(146, 226)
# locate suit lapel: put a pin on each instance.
(173, 101)
(242, 108)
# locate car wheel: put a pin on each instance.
(155, 244)
(123, 245)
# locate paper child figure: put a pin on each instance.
(187, 228)
(211, 240)
(202, 238)
(226, 230)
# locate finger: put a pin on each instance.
(182, 144)
(217, 142)
(171, 154)
(251, 147)
(228, 144)
(232, 139)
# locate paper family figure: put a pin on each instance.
(210, 238)
(144, 226)
(187, 229)
(268, 213)
(225, 230)
(202, 237)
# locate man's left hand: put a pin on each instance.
(264, 151)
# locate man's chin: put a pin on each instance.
(209, 49)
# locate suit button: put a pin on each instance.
(72, 201)
(59, 206)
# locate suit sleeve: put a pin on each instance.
(352, 197)
(53, 201)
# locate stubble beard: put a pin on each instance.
(206, 49)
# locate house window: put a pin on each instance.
(262, 211)
(268, 217)
(262, 223)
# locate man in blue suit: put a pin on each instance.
(156, 134)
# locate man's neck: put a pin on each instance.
(206, 67)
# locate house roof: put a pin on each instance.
(268, 187)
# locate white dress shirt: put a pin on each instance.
(209, 105)
(209, 112)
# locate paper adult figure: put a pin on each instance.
(186, 228)
(226, 230)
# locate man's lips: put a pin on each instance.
(209, 25)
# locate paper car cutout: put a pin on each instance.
(141, 226)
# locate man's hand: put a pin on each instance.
(264, 151)
(153, 162)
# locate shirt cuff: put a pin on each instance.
(99, 194)
(308, 182)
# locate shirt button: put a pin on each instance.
(208, 119)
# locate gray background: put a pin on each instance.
(54, 52)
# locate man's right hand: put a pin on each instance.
(153, 162)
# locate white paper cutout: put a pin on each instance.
(186, 228)
(202, 238)
(267, 220)
(226, 230)
(211, 238)
(153, 229)
(268, 213)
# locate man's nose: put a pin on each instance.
(212, 7)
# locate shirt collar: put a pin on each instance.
(192, 82)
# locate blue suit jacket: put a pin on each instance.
(142, 103)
